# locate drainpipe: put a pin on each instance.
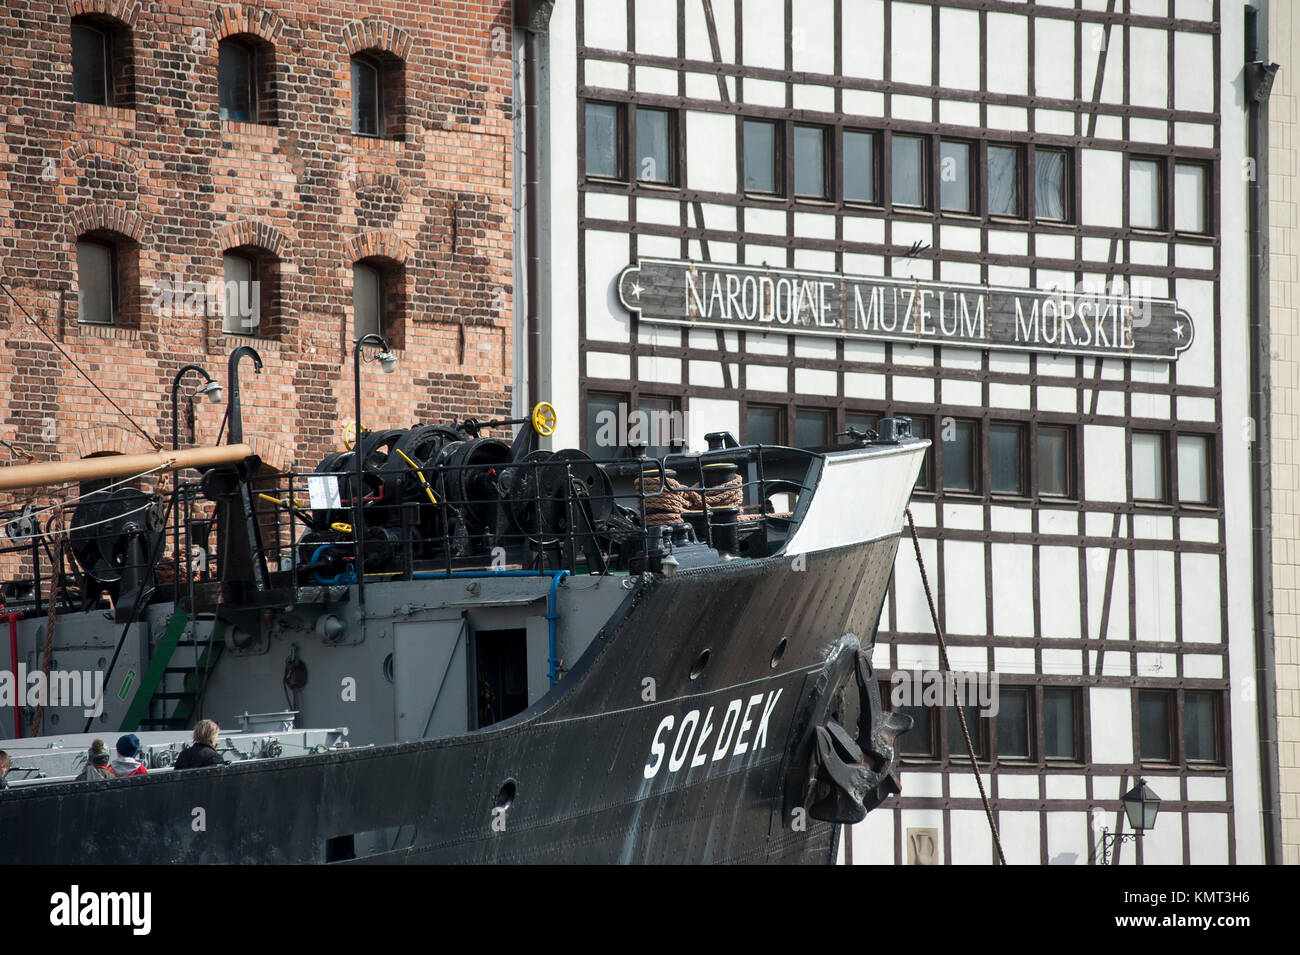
(533, 17)
(13, 619)
(1259, 83)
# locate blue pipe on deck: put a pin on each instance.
(552, 610)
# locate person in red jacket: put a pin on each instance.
(125, 762)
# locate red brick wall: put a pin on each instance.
(186, 186)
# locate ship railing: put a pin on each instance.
(450, 519)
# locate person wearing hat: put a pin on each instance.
(125, 762)
(97, 762)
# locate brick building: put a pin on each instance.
(353, 160)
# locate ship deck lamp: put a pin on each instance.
(388, 361)
(1141, 806)
(211, 389)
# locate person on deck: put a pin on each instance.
(4, 769)
(203, 752)
(97, 762)
(125, 762)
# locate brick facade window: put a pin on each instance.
(378, 95)
(245, 72)
(251, 292)
(106, 273)
(102, 64)
(378, 299)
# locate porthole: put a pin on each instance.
(700, 663)
(779, 652)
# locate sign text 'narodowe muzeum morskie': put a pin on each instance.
(909, 311)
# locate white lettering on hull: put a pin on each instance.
(685, 745)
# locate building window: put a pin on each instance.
(907, 175)
(1201, 726)
(1190, 197)
(245, 71)
(955, 181)
(1055, 460)
(1007, 458)
(764, 424)
(378, 94)
(242, 308)
(859, 173)
(925, 478)
(1149, 467)
(975, 725)
(237, 82)
(920, 741)
(1155, 726)
(762, 157)
(102, 69)
(1004, 187)
(604, 138)
(91, 80)
(957, 456)
(660, 421)
(1050, 184)
(367, 117)
(367, 296)
(861, 421)
(1015, 723)
(655, 141)
(1145, 194)
(812, 428)
(603, 415)
(378, 299)
(1194, 469)
(810, 162)
(1061, 724)
(98, 291)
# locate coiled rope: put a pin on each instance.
(665, 505)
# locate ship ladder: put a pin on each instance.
(194, 675)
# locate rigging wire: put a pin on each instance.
(947, 668)
(4, 528)
(72, 361)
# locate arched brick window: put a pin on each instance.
(245, 79)
(103, 68)
(107, 276)
(251, 292)
(378, 94)
(378, 299)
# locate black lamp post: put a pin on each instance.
(388, 361)
(211, 387)
(236, 433)
(1140, 807)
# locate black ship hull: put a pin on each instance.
(683, 735)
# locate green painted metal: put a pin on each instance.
(159, 663)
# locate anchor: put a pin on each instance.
(838, 776)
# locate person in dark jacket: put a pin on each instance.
(203, 752)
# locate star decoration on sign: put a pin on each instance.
(1178, 329)
(637, 289)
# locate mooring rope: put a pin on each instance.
(665, 505)
(947, 668)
